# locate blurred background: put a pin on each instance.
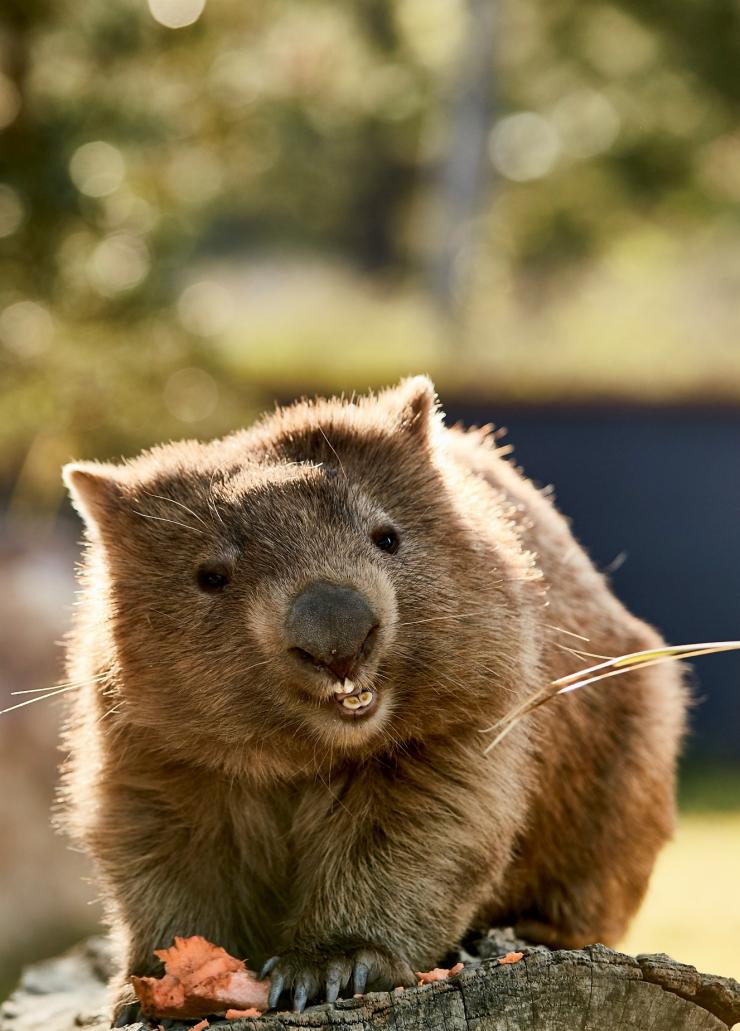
(210, 205)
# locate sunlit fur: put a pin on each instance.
(210, 773)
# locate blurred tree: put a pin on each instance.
(464, 168)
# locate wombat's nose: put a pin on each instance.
(331, 626)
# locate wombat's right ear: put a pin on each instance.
(95, 489)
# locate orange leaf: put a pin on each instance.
(190, 955)
(200, 978)
(438, 974)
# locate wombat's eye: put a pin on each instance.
(212, 578)
(387, 540)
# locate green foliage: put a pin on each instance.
(137, 161)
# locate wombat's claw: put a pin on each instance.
(334, 982)
(267, 967)
(304, 974)
(300, 996)
(360, 978)
(130, 1013)
(276, 990)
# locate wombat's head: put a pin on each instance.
(325, 583)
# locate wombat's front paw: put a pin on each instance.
(309, 973)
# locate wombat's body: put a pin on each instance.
(248, 767)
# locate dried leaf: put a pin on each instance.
(438, 974)
(191, 956)
(200, 978)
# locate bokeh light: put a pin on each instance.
(119, 262)
(26, 328)
(235, 79)
(97, 168)
(191, 394)
(206, 308)
(616, 43)
(524, 146)
(719, 167)
(586, 122)
(11, 210)
(176, 14)
(194, 175)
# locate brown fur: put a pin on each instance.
(219, 792)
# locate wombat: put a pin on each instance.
(289, 642)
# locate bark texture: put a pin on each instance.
(591, 989)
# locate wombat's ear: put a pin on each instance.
(414, 404)
(95, 489)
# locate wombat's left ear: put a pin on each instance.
(95, 489)
(414, 403)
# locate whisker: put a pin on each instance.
(64, 683)
(339, 460)
(212, 503)
(254, 665)
(40, 690)
(172, 501)
(39, 698)
(562, 630)
(175, 522)
(110, 712)
(579, 653)
(434, 619)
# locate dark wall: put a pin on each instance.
(664, 487)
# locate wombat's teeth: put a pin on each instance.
(351, 703)
(346, 688)
(366, 697)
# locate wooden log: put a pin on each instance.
(591, 989)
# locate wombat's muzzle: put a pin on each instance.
(332, 627)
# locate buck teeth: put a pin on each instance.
(356, 702)
(346, 688)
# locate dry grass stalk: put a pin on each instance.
(593, 674)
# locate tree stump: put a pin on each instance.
(591, 989)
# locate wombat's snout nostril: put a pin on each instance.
(331, 626)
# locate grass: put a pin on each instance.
(709, 788)
(633, 325)
(692, 909)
